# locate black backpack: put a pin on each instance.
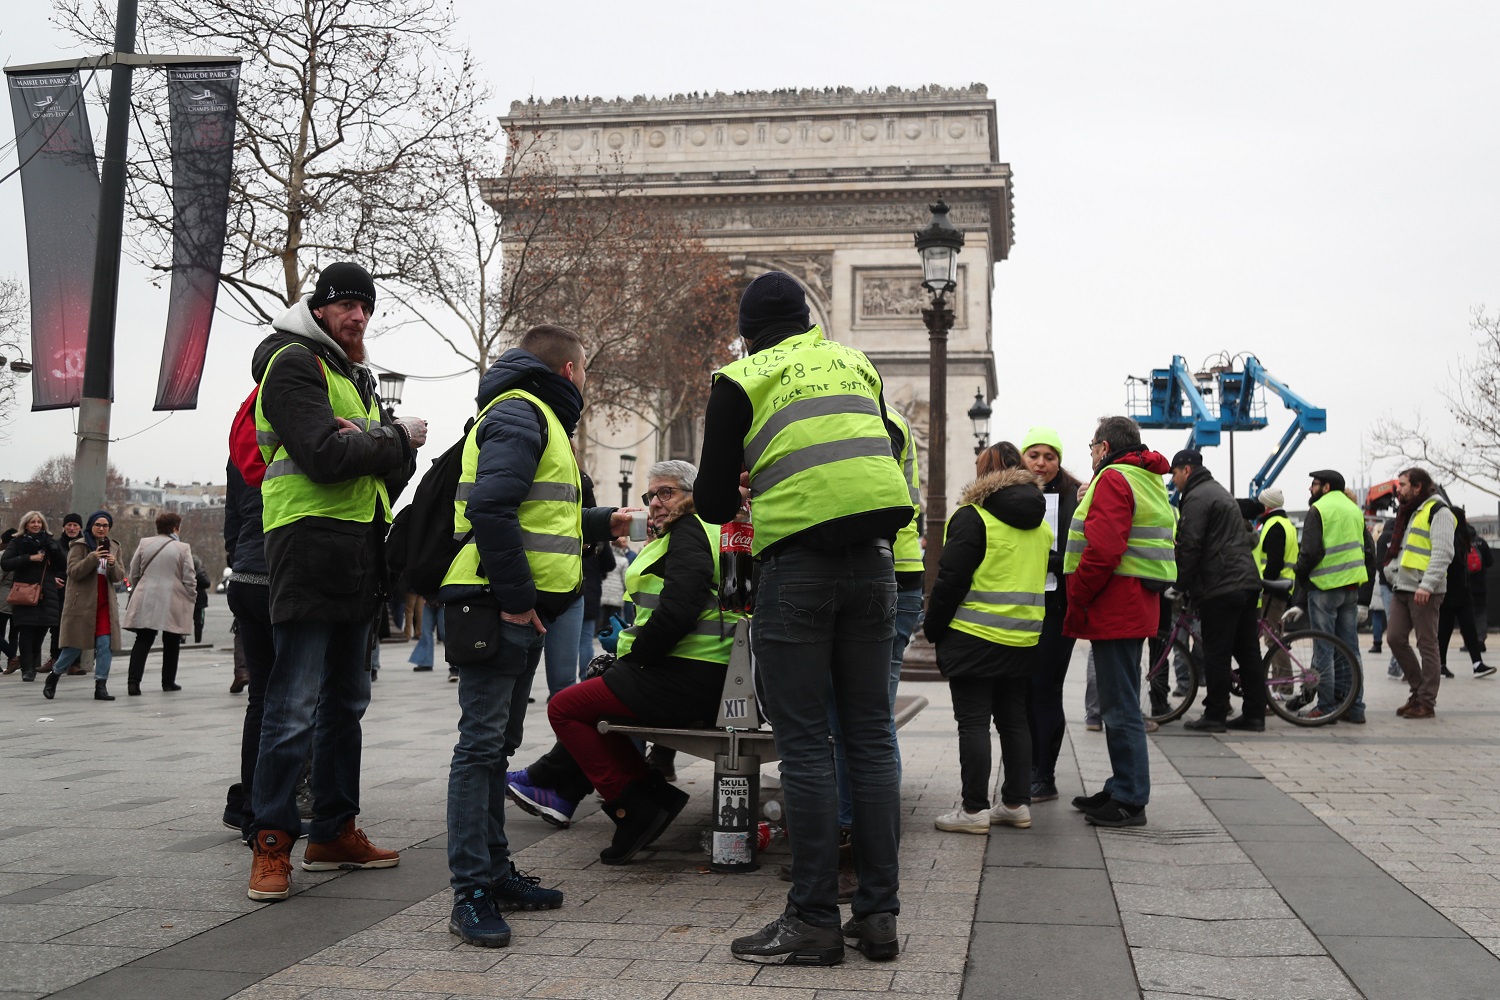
(420, 544)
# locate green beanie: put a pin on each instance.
(1042, 435)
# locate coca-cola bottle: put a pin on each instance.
(736, 570)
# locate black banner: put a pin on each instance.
(60, 194)
(202, 100)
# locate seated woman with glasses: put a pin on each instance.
(669, 671)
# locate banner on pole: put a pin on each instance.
(60, 196)
(202, 101)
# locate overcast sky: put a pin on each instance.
(1310, 182)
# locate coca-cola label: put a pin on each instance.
(736, 536)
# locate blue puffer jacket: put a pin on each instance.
(511, 440)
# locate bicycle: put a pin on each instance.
(1295, 672)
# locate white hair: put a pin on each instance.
(682, 473)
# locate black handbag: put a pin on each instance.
(472, 630)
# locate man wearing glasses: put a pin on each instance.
(1119, 557)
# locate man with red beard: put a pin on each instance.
(334, 462)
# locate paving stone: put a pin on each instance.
(806, 990)
(468, 959)
(144, 928)
(497, 982)
(573, 988)
(47, 968)
(733, 973)
(1355, 907)
(1201, 904)
(21, 923)
(839, 977)
(1284, 978)
(1387, 968)
(1225, 938)
(1227, 876)
(1046, 896)
(1005, 963)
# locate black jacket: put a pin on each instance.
(17, 559)
(1011, 496)
(726, 420)
(325, 569)
(1215, 550)
(661, 689)
(511, 438)
(244, 538)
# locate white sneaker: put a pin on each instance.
(1017, 816)
(959, 821)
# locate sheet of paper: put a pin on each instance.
(1057, 540)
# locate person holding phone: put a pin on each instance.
(90, 610)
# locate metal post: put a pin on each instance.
(939, 320)
(91, 461)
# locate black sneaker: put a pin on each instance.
(787, 940)
(1247, 724)
(1043, 791)
(874, 936)
(1203, 724)
(475, 919)
(1483, 670)
(1116, 813)
(1446, 672)
(1083, 803)
(523, 892)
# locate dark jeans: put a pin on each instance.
(251, 606)
(316, 696)
(824, 623)
(492, 711)
(976, 701)
(1231, 628)
(29, 644)
(1044, 700)
(1457, 610)
(1117, 666)
(144, 637)
(556, 769)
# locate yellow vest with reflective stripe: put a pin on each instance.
(287, 492)
(817, 448)
(1150, 553)
(712, 638)
(551, 516)
(1343, 561)
(908, 547)
(1289, 566)
(1005, 602)
(1416, 547)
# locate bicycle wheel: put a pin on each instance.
(1295, 695)
(1171, 681)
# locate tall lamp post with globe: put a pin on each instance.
(939, 245)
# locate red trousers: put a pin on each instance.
(610, 761)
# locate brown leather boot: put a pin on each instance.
(241, 678)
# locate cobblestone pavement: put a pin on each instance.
(1296, 864)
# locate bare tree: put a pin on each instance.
(1469, 450)
(51, 490)
(346, 107)
(13, 324)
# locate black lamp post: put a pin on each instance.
(939, 245)
(391, 384)
(627, 466)
(979, 414)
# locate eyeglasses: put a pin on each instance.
(665, 494)
(1096, 444)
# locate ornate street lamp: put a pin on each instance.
(979, 414)
(627, 466)
(391, 384)
(19, 365)
(939, 245)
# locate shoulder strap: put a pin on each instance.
(153, 556)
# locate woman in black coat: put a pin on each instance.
(1041, 453)
(33, 557)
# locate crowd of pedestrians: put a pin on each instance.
(798, 434)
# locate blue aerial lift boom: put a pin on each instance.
(1179, 398)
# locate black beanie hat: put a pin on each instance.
(343, 281)
(774, 297)
(73, 519)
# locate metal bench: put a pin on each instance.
(738, 744)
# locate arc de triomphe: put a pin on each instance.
(827, 185)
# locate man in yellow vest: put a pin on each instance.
(1119, 557)
(1336, 556)
(1417, 570)
(802, 417)
(518, 510)
(334, 460)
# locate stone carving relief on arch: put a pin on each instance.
(813, 271)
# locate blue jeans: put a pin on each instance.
(561, 644)
(1117, 668)
(823, 629)
(908, 611)
(421, 653)
(316, 696)
(70, 655)
(492, 710)
(1335, 611)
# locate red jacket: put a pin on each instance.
(1102, 605)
